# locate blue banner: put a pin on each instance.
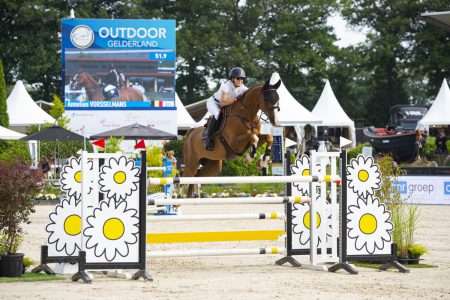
(113, 64)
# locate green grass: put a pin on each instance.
(371, 265)
(31, 277)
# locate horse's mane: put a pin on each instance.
(241, 97)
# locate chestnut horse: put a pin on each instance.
(94, 91)
(238, 134)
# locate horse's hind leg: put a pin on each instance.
(210, 168)
(190, 170)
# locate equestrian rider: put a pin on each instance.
(112, 83)
(227, 94)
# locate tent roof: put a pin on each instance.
(8, 134)
(22, 110)
(330, 111)
(136, 131)
(184, 119)
(292, 112)
(439, 112)
(441, 19)
(54, 133)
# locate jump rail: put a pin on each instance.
(241, 179)
(217, 252)
(231, 200)
(249, 216)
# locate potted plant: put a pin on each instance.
(415, 251)
(404, 217)
(18, 185)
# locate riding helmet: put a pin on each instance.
(236, 72)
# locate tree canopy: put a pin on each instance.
(402, 61)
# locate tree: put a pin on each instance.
(403, 58)
(4, 119)
(57, 109)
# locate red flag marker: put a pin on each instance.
(99, 143)
(140, 144)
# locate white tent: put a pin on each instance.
(184, 119)
(331, 113)
(8, 134)
(439, 112)
(23, 111)
(291, 112)
(203, 120)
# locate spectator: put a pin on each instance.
(44, 165)
(441, 142)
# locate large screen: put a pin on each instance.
(125, 67)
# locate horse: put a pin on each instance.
(239, 131)
(94, 91)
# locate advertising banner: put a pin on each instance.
(277, 151)
(119, 72)
(424, 189)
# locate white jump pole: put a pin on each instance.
(231, 200)
(217, 252)
(240, 179)
(204, 217)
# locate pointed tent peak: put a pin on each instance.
(22, 109)
(330, 110)
(327, 94)
(291, 111)
(439, 111)
(274, 78)
(444, 87)
(184, 119)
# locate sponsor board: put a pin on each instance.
(424, 189)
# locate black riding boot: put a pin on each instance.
(208, 136)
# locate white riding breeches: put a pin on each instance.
(213, 107)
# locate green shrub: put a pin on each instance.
(430, 146)
(354, 152)
(14, 150)
(417, 250)
(27, 262)
(113, 144)
(154, 159)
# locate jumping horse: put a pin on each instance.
(94, 91)
(239, 131)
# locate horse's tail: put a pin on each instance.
(185, 147)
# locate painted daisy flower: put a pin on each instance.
(363, 176)
(301, 168)
(71, 177)
(301, 222)
(65, 227)
(368, 223)
(119, 178)
(111, 229)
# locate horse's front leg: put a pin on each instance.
(253, 145)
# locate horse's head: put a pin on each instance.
(270, 105)
(82, 79)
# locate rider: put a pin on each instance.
(112, 83)
(227, 94)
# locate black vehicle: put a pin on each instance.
(399, 137)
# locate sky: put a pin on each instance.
(346, 36)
